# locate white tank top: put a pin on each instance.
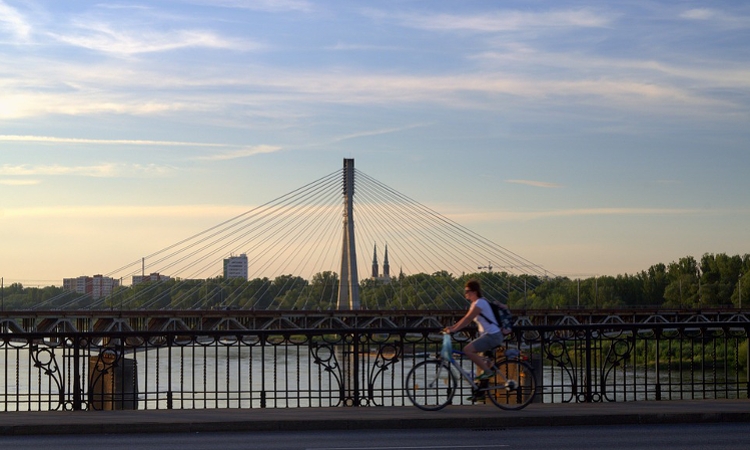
(485, 326)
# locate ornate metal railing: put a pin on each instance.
(357, 367)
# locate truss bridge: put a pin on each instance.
(213, 320)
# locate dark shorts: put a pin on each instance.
(487, 342)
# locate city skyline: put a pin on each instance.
(591, 139)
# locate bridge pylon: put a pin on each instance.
(348, 284)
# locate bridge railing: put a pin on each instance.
(360, 367)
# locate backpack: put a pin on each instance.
(503, 317)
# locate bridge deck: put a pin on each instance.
(143, 320)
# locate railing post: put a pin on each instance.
(169, 372)
(77, 396)
(540, 394)
(657, 334)
(355, 369)
(350, 370)
(589, 394)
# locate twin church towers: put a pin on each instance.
(386, 275)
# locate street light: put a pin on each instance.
(488, 267)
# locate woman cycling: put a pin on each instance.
(490, 335)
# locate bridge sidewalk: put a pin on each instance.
(307, 419)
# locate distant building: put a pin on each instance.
(235, 267)
(138, 279)
(97, 286)
(386, 275)
(80, 285)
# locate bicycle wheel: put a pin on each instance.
(430, 385)
(523, 394)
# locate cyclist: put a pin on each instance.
(490, 335)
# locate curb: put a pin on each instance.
(370, 418)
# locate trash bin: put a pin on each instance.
(113, 382)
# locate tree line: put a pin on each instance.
(716, 280)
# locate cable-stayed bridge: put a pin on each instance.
(342, 251)
(316, 249)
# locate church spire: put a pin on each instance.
(386, 266)
(375, 260)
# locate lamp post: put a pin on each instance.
(488, 267)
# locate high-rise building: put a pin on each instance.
(80, 285)
(235, 267)
(97, 286)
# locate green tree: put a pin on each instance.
(741, 295)
(682, 291)
(288, 290)
(322, 293)
(655, 282)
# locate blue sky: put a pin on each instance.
(591, 138)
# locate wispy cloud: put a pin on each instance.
(375, 132)
(715, 16)
(266, 91)
(242, 153)
(112, 169)
(13, 22)
(261, 5)
(104, 37)
(502, 21)
(62, 140)
(363, 47)
(121, 6)
(523, 216)
(542, 184)
(16, 182)
(617, 212)
(515, 216)
(453, 89)
(125, 211)
(726, 74)
(108, 170)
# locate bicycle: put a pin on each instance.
(432, 384)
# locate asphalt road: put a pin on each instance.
(720, 436)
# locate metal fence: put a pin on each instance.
(364, 367)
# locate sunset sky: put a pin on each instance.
(591, 138)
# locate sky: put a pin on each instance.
(591, 138)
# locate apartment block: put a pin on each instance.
(97, 286)
(235, 267)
